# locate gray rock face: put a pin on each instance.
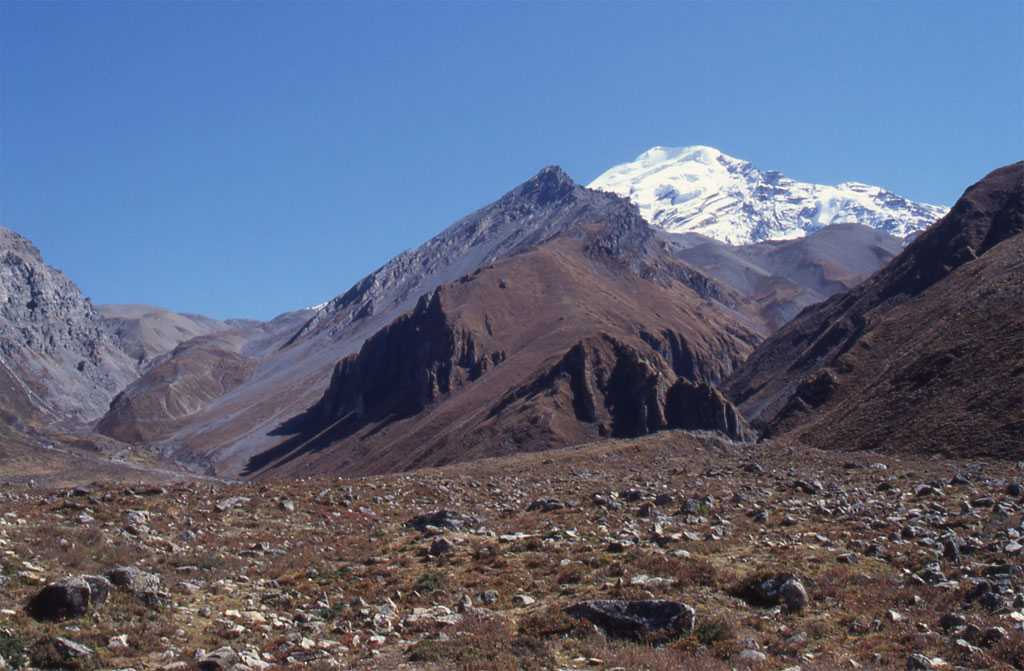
(636, 619)
(54, 346)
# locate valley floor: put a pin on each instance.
(903, 563)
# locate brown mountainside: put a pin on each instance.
(431, 342)
(558, 345)
(927, 355)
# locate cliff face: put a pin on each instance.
(402, 369)
(631, 390)
(56, 353)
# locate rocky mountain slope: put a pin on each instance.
(555, 346)
(701, 190)
(781, 277)
(145, 331)
(58, 361)
(926, 356)
(288, 376)
(182, 383)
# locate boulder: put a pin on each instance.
(636, 620)
(222, 659)
(68, 598)
(443, 519)
(142, 584)
(440, 546)
(545, 505)
(134, 579)
(780, 589)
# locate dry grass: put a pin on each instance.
(335, 550)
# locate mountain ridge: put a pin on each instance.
(926, 355)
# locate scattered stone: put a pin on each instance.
(230, 503)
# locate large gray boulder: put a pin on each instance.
(636, 620)
(142, 584)
(69, 598)
(443, 519)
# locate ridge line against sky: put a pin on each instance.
(242, 160)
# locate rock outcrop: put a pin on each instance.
(56, 354)
(413, 362)
(628, 390)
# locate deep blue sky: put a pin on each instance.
(243, 159)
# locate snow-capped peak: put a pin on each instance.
(700, 189)
(659, 154)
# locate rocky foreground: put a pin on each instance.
(671, 552)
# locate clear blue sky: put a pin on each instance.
(244, 159)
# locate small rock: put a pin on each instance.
(69, 650)
(118, 642)
(440, 546)
(232, 502)
(752, 657)
(523, 600)
(952, 621)
(545, 505)
(919, 662)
